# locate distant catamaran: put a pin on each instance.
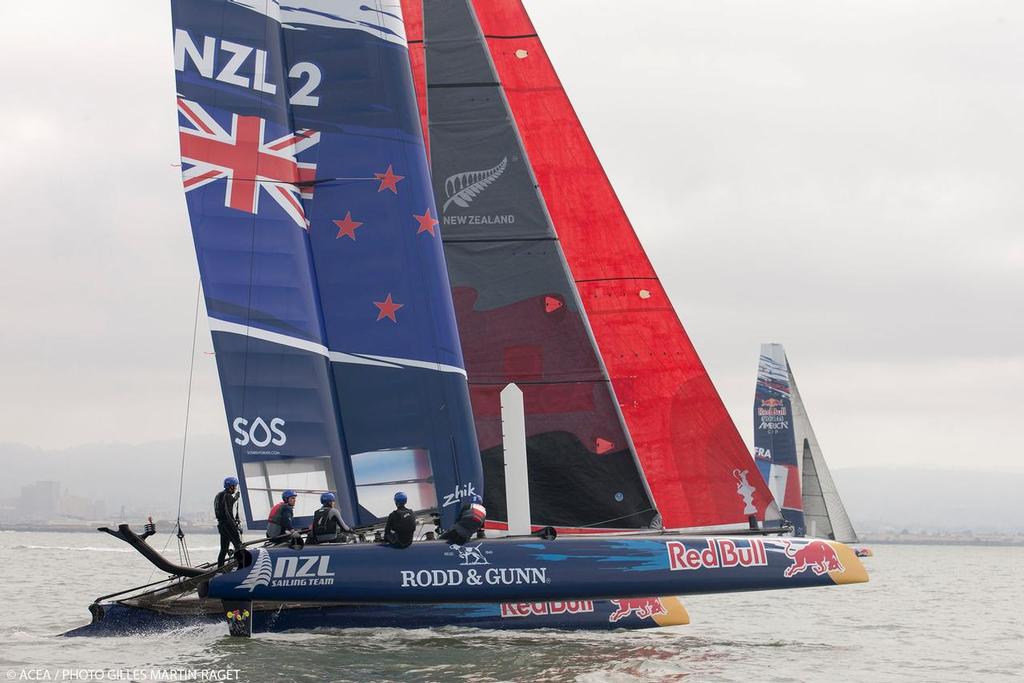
(789, 457)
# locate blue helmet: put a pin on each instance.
(401, 498)
(326, 498)
(288, 493)
(230, 481)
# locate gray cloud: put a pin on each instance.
(842, 178)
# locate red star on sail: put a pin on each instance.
(427, 222)
(387, 308)
(347, 227)
(388, 180)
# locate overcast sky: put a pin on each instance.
(841, 177)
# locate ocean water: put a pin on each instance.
(930, 613)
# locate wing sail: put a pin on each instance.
(693, 458)
(519, 313)
(311, 207)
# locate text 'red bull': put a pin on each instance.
(644, 608)
(540, 609)
(718, 553)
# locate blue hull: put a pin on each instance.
(125, 620)
(521, 570)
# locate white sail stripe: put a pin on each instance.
(339, 357)
(218, 325)
(409, 362)
(344, 14)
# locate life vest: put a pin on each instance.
(325, 525)
(478, 512)
(472, 519)
(275, 522)
(400, 528)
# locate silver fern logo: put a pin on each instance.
(260, 574)
(462, 188)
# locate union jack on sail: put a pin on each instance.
(246, 160)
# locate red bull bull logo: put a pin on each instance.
(717, 553)
(819, 556)
(543, 609)
(643, 608)
(771, 406)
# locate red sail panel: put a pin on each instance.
(696, 463)
(412, 15)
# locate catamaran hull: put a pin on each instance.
(119, 619)
(521, 570)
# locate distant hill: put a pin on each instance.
(932, 499)
(144, 477)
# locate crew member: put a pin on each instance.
(279, 523)
(471, 520)
(401, 526)
(229, 526)
(328, 526)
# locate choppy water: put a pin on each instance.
(929, 613)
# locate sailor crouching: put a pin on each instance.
(328, 525)
(471, 520)
(280, 528)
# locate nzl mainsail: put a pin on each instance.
(788, 454)
(313, 219)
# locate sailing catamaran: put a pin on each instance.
(789, 457)
(367, 321)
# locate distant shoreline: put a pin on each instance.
(1000, 543)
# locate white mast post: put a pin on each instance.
(517, 481)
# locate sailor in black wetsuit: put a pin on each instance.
(328, 526)
(401, 526)
(225, 507)
(471, 520)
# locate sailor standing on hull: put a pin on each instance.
(279, 522)
(328, 525)
(229, 526)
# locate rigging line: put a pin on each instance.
(593, 525)
(188, 401)
(182, 550)
(615, 519)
